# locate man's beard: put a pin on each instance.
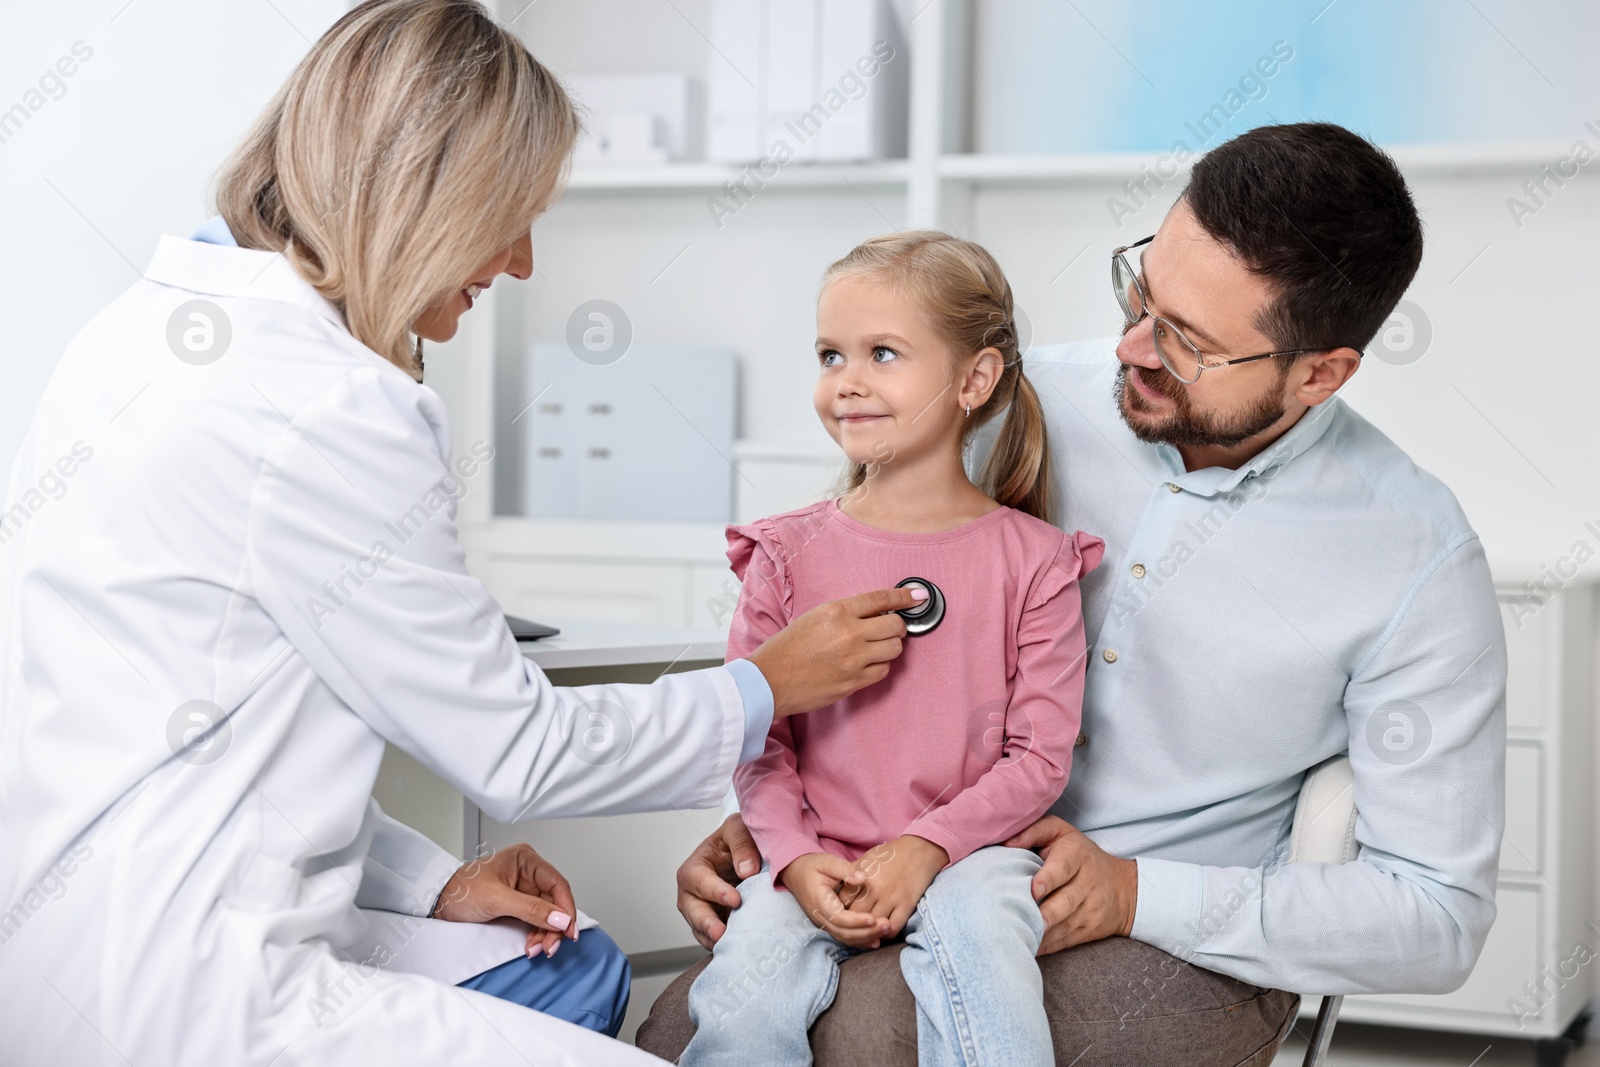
(1186, 426)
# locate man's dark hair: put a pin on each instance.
(1324, 215)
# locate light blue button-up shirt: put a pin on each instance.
(1248, 624)
(752, 684)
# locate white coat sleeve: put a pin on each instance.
(405, 870)
(354, 553)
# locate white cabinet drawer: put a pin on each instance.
(1521, 851)
(592, 590)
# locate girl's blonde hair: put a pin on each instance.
(961, 289)
(414, 141)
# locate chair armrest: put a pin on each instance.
(1324, 828)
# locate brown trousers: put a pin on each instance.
(1112, 1002)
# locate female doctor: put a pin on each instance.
(231, 572)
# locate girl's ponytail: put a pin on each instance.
(1017, 472)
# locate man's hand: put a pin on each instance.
(514, 881)
(833, 650)
(816, 880)
(1084, 892)
(894, 877)
(705, 880)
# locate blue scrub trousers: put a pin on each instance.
(586, 982)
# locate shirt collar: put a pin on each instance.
(1209, 481)
(211, 263)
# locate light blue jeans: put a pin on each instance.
(969, 961)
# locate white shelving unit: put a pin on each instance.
(712, 176)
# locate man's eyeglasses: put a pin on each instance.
(1181, 356)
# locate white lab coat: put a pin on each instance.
(273, 533)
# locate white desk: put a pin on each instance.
(582, 645)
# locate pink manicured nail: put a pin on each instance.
(551, 951)
(559, 920)
(918, 593)
(531, 950)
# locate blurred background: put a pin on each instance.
(736, 147)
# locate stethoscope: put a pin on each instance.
(923, 617)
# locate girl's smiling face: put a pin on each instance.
(889, 385)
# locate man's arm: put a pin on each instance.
(1426, 715)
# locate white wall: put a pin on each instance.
(123, 152)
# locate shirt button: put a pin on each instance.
(1174, 487)
(1138, 570)
(1109, 655)
(1083, 739)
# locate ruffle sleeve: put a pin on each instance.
(1078, 554)
(758, 547)
(761, 563)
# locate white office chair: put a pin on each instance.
(1325, 832)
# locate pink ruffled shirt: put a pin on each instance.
(969, 739)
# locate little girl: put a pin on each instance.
(882, 814)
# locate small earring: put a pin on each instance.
(969, 412)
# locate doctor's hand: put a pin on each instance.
(518, 882)
(833, 650)
(1084, 892)
(706, 879)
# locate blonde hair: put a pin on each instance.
(414, 141)
(961, 289)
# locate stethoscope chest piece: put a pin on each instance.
(925, 616)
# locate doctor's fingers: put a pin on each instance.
(537, 878)
(541, 943)
(535, 911)
(879, 602)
